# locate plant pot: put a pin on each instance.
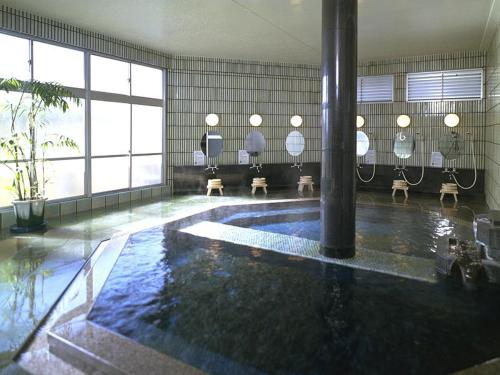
(30, 215)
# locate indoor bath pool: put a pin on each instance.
(401, 230)
(231, 309)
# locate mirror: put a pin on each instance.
(451, 146)
(213, 146)
(295, 143)
(255, 143)
(362, 143)
(403, 145)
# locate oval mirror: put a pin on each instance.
(362, 143)
(403, 145)
(451, 146)
(212, 144)
(295, 143)
(255, 143)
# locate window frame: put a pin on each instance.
(131, 100)
(88, 95)
(442, 72)
(359, 84)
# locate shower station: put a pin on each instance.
(212, 145)
(338, 116)
(451, 146)
(362, 149)
(404, 146)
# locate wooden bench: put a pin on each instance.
(215, 183)
(305, 181)
(259, 182)
(449, 188)
(399, 185)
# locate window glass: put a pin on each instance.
(70, 124)
(146, 170)
(15, 55)
(110, 174)
(8, 103)
(464, 84)
(146, 81)
(6, 197)
(375, 89)
(58, 64)
(146, 129)
(65, 178)
(110, 124)
(109, 75)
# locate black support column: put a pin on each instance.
(338, 152)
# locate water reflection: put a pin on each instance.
(241, 314)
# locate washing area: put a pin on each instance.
(244, 187)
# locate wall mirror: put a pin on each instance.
(255, 143)
(362, 143)
(451, 146)
(403, 145)
(212, 144)
(295, 143)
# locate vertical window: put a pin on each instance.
(146, 82)
(58, 64)
(126, 119)
(127, 129)
(15, 57)
(110, 128)
(108, 75)
(64, 169)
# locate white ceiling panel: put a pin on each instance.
(274, 30)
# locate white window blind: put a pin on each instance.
(372, 89)
(445, 85)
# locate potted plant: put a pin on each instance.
(23, 150)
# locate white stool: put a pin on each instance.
(399, 185)
(449, 188)
(259, 182)
(305, 181)
(215, 183)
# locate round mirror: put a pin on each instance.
(295, 143)
(212, 144)
(362, 143)
(255, 143)
(451, 146)
(403, 145)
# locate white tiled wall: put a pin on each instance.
(492, 155)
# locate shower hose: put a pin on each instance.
(372, 176)
(421, 176)
(475, 168)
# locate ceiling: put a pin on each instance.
(277, 30)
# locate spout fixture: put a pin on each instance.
(297, 165)
(258, 167)
(212, 168)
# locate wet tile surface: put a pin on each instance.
(203, 295)
(35, 269)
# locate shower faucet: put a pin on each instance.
(400, 169)
(257, 166)
(297, 165)
(450, 172)
(212, 168)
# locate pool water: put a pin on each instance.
(230, 309)
(400, 230)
